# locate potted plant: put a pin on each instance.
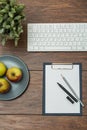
(11, 16)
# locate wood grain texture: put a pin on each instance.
(56, 11)
(22, 122)
(35, 60)
(25, 112)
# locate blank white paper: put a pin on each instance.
(55, 97)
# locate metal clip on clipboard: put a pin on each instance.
(66, 66)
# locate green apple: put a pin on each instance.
(4, 86)
(14, 74)
(2, 69)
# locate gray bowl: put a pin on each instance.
(17, 88)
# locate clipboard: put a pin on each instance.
(54, 99)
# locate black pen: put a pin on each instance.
(67, 92)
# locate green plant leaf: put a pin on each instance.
(19, 8)
(7, 8)
(11, 14)
(4, 24)
(3, 0)
(17, 17)
(16, 35)
(12, 2)
(7, 26)
(1, 30)
(2, 11)
(1, 19)
(5, 16)
(9, 20)
(13, 10)
(14, 28)
(20, 30)
(12, 23)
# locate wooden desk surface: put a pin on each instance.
(25, 112)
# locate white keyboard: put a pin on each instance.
(57, 37)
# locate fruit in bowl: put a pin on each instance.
(14, 74)
(2, 69)
(4, 86)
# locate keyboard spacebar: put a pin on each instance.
(55, 48)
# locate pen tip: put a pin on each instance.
(58, 83)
